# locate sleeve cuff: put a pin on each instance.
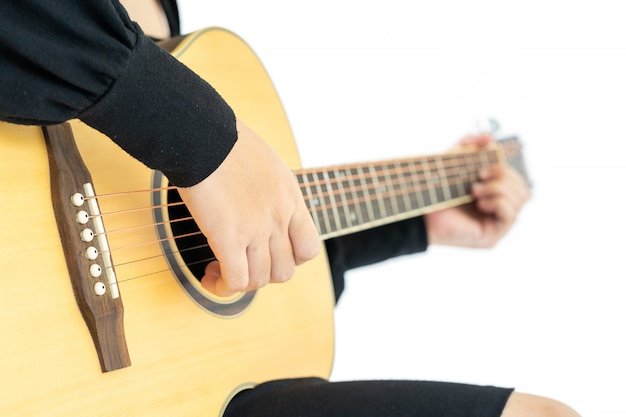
(163, 114)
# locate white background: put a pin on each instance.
(362, 80)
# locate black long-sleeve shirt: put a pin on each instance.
(67, 59)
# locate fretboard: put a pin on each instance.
(343, 199)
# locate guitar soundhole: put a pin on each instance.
(186, 250)
(192, 245)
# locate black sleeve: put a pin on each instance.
(67, 59)
(374, 245)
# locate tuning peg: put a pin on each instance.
(487, 125)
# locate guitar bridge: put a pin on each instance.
(86, 248)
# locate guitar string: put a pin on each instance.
(389, 172)
(127, 247)
(180, 251)
(388, 179)
(146, 190)
(201, 261)
(158, 254)
(364, 186)
(173, 252)
(368, 183)
(418, 176)
(379, 203)
(420, 182)
(448, 160)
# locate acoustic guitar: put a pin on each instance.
(101, 311)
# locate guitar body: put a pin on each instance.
(186, 361)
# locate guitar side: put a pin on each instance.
(185, 361)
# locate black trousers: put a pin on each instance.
(314, 397)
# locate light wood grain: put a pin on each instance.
(185, 361)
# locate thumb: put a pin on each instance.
(212, 280)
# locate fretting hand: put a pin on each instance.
(499, 197)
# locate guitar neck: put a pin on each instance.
(343, 199)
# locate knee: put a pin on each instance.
(527, 405)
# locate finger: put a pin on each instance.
(493, 181)
(506, 211)
(305, 240)
(519, 187)
(476, 140)
(501, 195)
(500, 219)
(510, 178)
(259, 264)
(500, 208)
(233, 270)
(505, 182)
(489, 197)
(283, 263)
(213, 281)
(211, 275)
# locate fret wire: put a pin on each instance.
(458, 175)
(388, 180)
(346, 209)
(368, 201)
(444, 179)
(318, 186)
(483, 159)
(416, 180)
(333, 202)
(450, 173)
(311, 203)
(479, 161)
(359, 212)
(464, 177)
(404, 188)
(376, 186)
(428, 178)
